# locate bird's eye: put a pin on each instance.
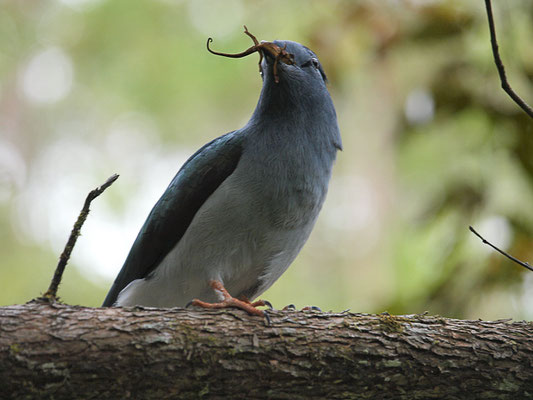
(312, 61)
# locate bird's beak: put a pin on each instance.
(276, 52)
(279, 54)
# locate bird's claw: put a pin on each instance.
(312, 308)
(291, 307)
(268, 322)
(268, 304)
(229, 301)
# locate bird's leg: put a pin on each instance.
(229, 301)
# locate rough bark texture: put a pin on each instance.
(66, 352)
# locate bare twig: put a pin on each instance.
(523, 264)
(51, 293)
(499, 64)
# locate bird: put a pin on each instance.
(240, 209)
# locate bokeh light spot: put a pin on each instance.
(419, 107)
(48, 76)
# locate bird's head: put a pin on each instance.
(294, 87)
(302, 65)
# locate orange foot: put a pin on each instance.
(230, 301)
(257, 303)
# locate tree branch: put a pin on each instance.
(51, 293)
(499, 64)
(67, 352)
(510, 257)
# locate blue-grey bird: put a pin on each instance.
(240, 209)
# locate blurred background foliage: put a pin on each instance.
(431, 143)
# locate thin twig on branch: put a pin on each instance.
(499, 64)
(51, 293)
(510, 257)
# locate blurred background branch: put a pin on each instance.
(499, 64)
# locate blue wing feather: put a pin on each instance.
(197, 179)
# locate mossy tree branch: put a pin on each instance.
(65, 352)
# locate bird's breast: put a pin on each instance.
(286, 186)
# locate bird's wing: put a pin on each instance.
(197, 179)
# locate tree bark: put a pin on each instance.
(69, 352)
